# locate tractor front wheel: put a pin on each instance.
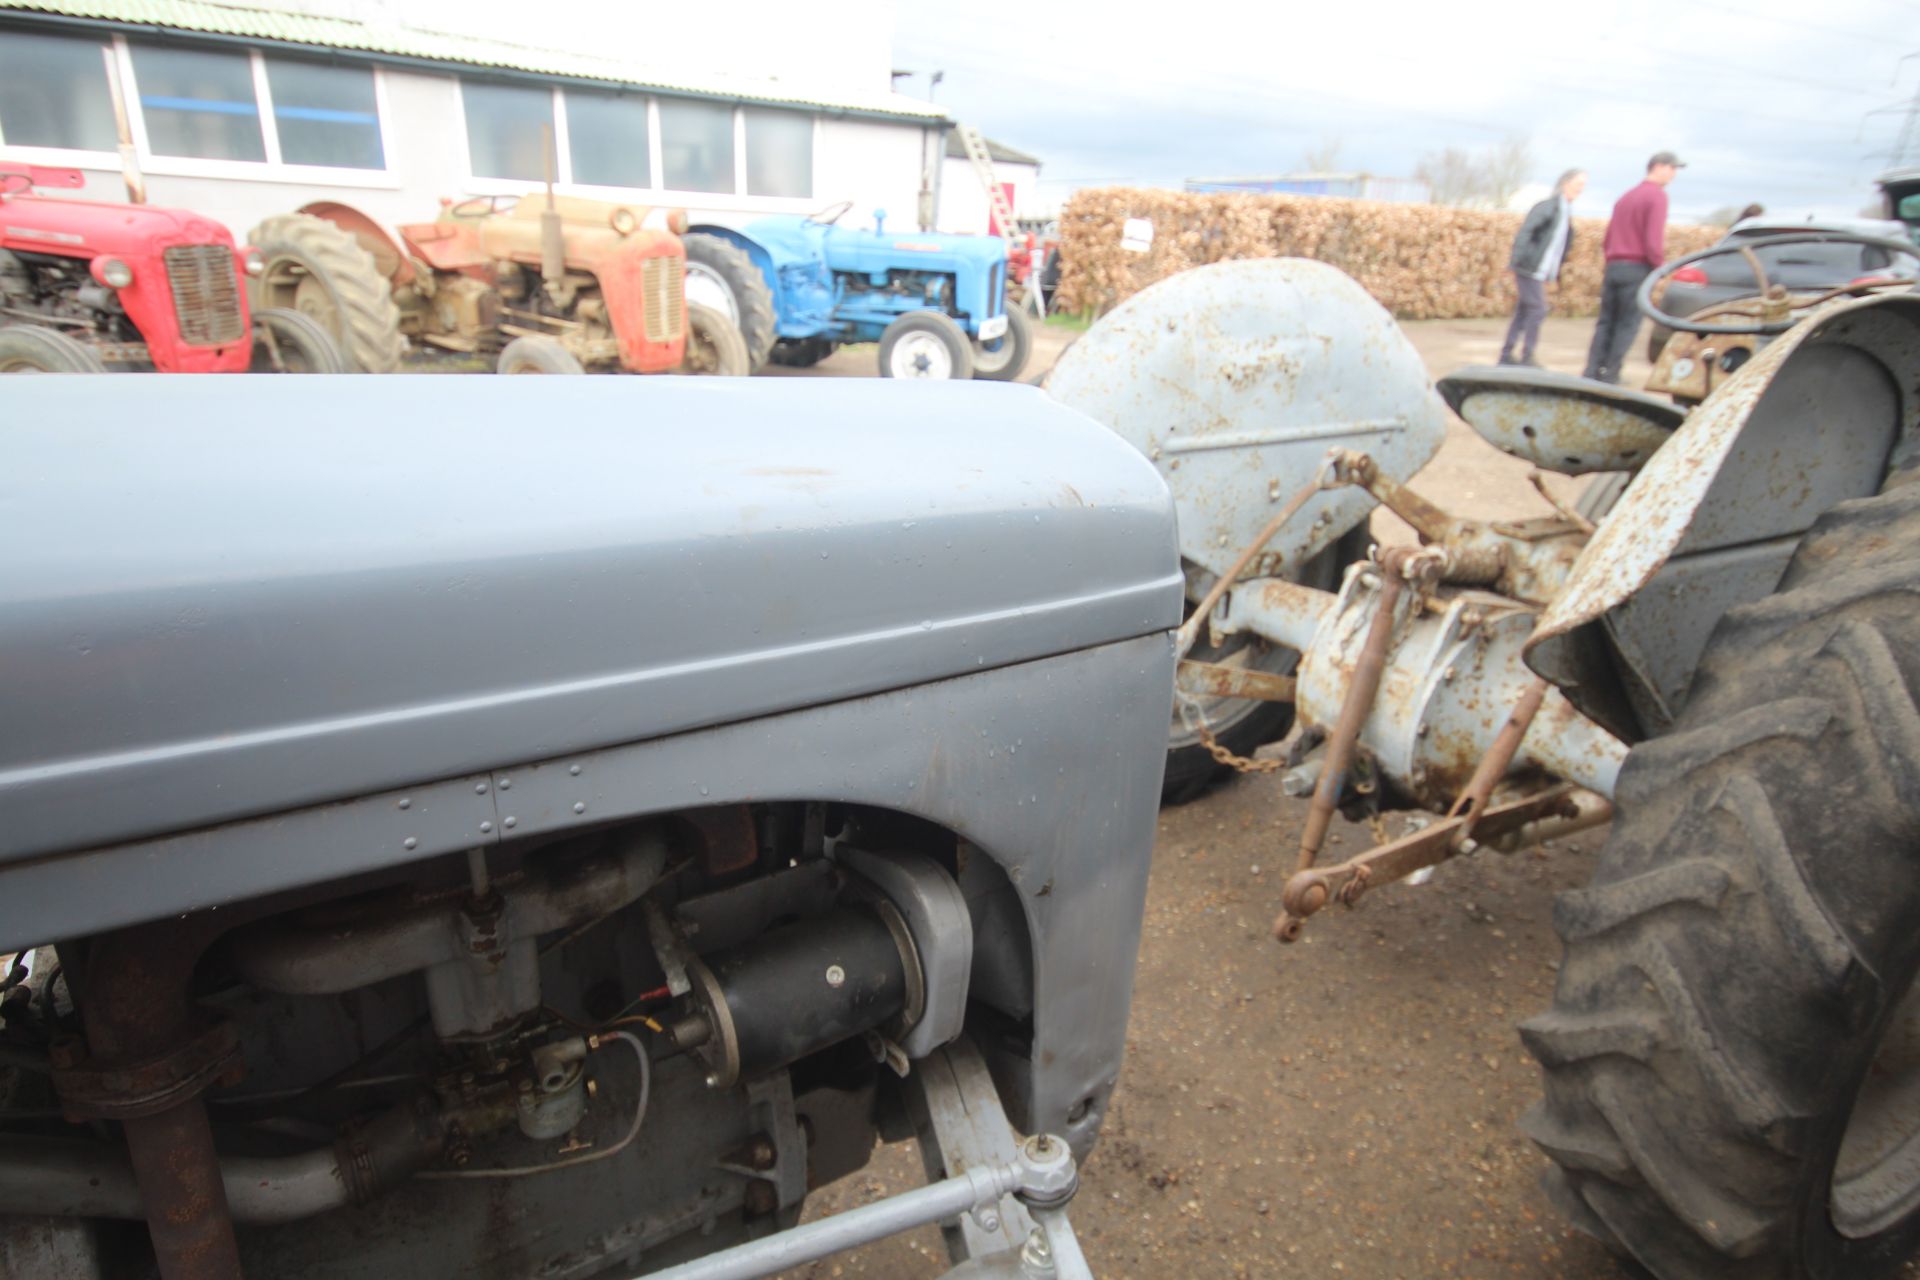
(802, 353)
(537, 353)
(319, 269)
(1732, 1061)
(32, 348)
(288, 342)
(925, 344)
(1003, 359)
(714, 344)
(721, 275)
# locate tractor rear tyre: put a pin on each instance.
(288, 342)
(33, 348)
(537, 353)
(1240, 725)
(1003, 359)
(714, 344)
(320, 270)
(1732, 1061)
(926, 344)
(721, 275)
(802, 353)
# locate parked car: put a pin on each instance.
(1802, 268)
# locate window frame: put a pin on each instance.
(119, 60)
(656, 194)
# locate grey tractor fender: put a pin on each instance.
(1816, 418)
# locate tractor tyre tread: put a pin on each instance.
(369, 333)
(731, 357)
(47, 349)
(1749, 931)
(758, 325)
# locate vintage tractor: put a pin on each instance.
(1717, 646)
(538, 285)
(403, 887)
(86, 286)
(799, 287)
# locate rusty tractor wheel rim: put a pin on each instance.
(1220, 712)
(1876, 1177)
(288, 283)
(703, 356)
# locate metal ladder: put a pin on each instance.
(982, 161)
(983, 169)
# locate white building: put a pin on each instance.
(240, 110)
(963, 201)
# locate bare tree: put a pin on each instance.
(1451, 176)
(1324, 156)
(1488, 178)
(1506, 167)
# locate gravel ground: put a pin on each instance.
(1344, 1107)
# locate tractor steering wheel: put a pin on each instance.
(831, 214)
(475, 207)
(1761, 327)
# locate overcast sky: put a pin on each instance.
(1767, 100)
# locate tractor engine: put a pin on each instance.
(49, 289)
(695, 1013)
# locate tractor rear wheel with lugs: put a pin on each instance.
(1732, 1062)
(318, 269)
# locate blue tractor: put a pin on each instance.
(799, 287)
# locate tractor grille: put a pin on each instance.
(206, 294)
(663, 284)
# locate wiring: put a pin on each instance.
(633, 1130)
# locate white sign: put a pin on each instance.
(1137, 235)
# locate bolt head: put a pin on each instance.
(836, 976)
(66, 1052)
(713, 1080)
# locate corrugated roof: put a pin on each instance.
(1000, 152)
(412, 44)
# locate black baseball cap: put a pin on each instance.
(1666, 157)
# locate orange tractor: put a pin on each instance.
(553, 285)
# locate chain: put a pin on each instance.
(1196, 720)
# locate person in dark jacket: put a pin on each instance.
(1636, 243)
(1540, 249)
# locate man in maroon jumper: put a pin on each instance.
(1636, 243)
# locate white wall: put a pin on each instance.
(963, 203)
(876, 164)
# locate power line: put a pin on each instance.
(1748, 13)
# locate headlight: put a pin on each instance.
(255, 262)
(624, 221)
(112, 272)
(677, 222)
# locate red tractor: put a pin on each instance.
(553, 285)
(86, 286)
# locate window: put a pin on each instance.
(53, 93)
(696, 145)
(325, 115)
(607, 138)
(779, 153)
(199, 103)
(507, 129)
